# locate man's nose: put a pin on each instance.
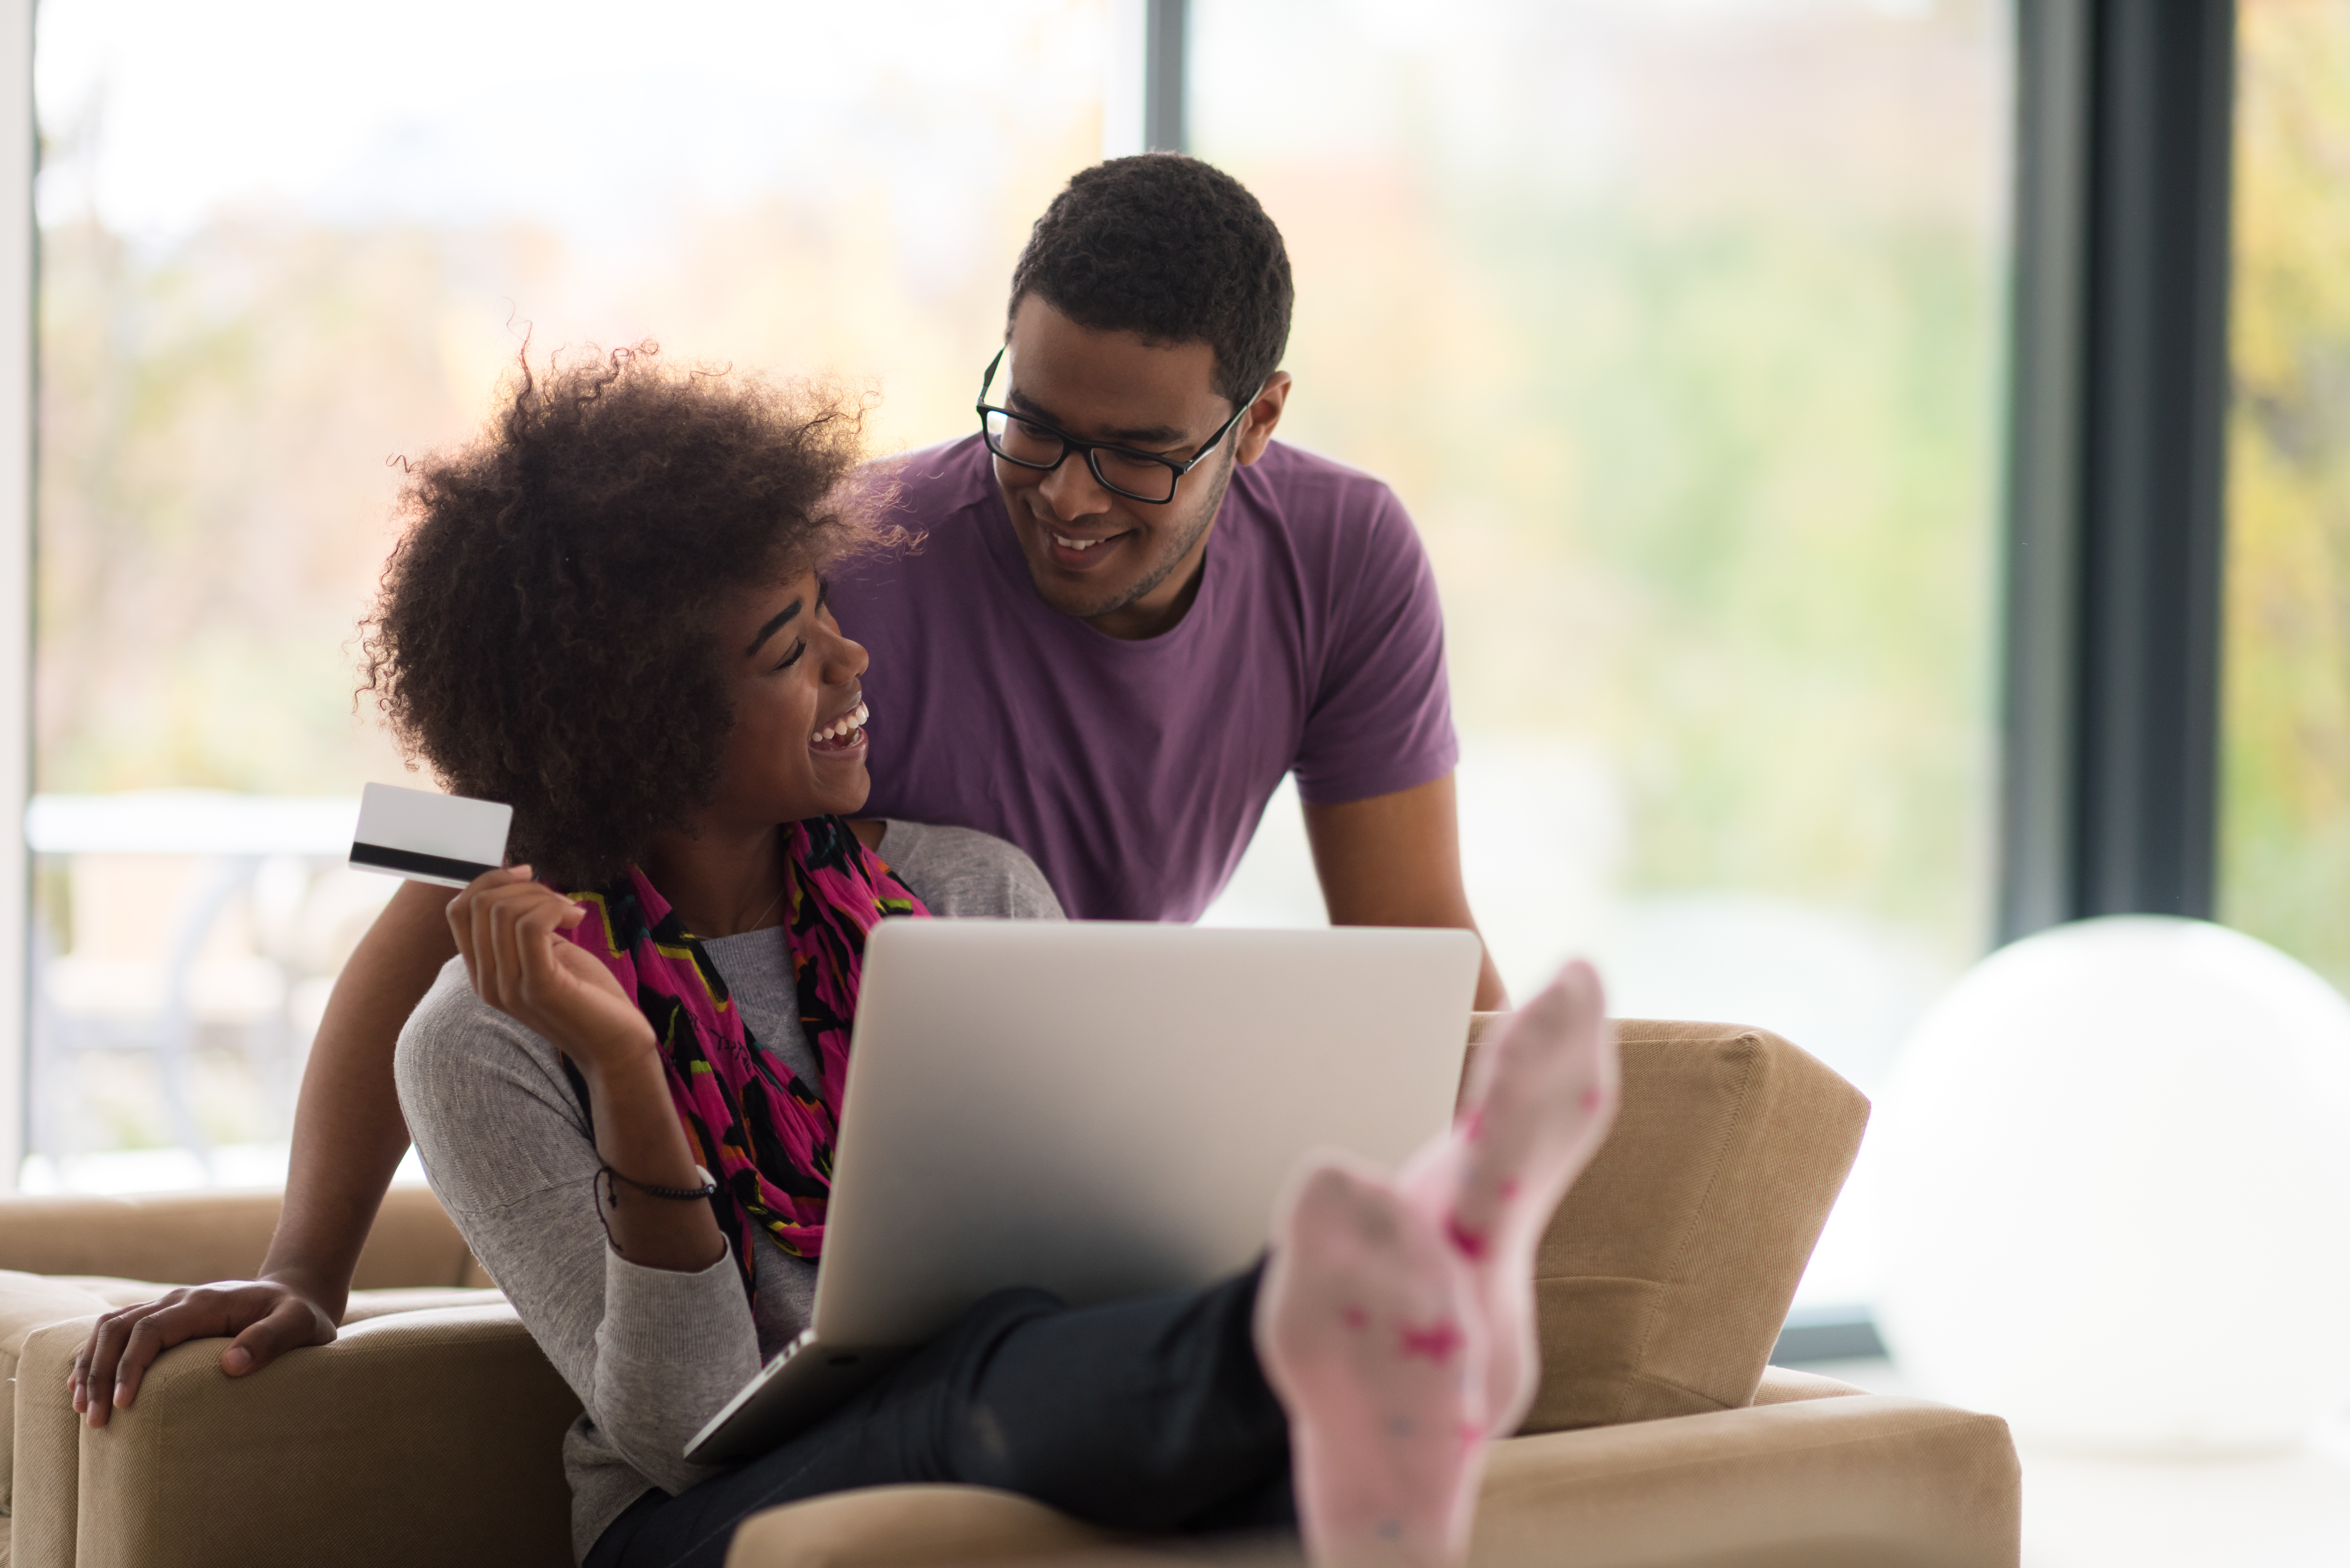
(1073, 492)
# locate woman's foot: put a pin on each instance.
(1540, 1099)
(1367, 1330)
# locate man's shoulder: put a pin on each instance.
(1317, 499)
(934, 482)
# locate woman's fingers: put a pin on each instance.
(522, 924)
(490, 963)
(465, 908)
(292, 1323)
(110, 1344)
(268, 1319)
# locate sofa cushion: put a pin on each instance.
(1666, 1274)
(28, 1302)
(890, 1526)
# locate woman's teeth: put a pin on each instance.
(845, 727)
(1068, 543)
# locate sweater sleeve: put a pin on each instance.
(651, 1353)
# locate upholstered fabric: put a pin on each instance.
(1860, 1481)
(189, 1238)
(1784, 1385)
(50, 1249)
(378, 1448)
(431, 1435)
(1667, 1272)
(1826, 1477)
(28, 1302)
(46, 1498)
(902, 1526)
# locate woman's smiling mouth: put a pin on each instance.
(846, 734)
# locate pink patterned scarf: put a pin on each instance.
(764, 1133)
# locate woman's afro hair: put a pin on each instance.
(544, 632)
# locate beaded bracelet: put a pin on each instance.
(608, 1185)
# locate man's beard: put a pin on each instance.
(1174, 554)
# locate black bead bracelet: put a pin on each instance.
(608, 1185)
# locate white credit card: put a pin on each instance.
(429, 837)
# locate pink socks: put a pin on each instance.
(1396, 1319)
(1539, 1098)
(1370, 1336)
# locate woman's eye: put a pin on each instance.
(794, 657)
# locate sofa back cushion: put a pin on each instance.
(192, 1237)
(1665, 1277)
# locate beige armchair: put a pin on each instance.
(429, 1432)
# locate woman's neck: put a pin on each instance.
(721, 880)
(725, 881)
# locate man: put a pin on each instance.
(1129, 616)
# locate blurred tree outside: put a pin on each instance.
(222, 397)
(281, 246)
(1680, 329)
(2284, 869)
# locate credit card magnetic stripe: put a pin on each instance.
(409, 863)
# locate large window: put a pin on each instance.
(282, 245)
(1678, 327)
(2284, 864)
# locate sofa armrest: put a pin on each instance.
(189, 1238)
(421, 1437)
(1858, 1481)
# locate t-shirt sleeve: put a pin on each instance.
(1381, 715)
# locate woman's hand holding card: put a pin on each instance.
(509, 931)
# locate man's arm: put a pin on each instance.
(1395, 860)
(348, 1135)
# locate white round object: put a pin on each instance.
(2117, 1172)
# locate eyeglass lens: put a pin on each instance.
(1039, 447)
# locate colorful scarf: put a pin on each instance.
(763, 1132)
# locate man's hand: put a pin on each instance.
(506, 929)
(1395, 860)
(267, 1318)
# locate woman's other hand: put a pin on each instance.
(267, 1317)
(509, 932)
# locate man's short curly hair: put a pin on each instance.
(544, 634)
(1172, 248)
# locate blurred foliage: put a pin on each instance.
(2285, 759)
(221, 412)
(1705, 446)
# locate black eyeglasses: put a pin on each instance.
(1136, 475)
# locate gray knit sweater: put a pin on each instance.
(652, 1354)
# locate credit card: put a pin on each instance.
(429, 837)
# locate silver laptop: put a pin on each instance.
(1101, 1109)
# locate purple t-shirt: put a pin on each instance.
(1134, 772)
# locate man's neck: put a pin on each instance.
(1140, 621)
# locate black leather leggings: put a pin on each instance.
(1148, 1415)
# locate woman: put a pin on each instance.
(610, 611)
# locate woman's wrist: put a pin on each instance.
(630, 1056)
